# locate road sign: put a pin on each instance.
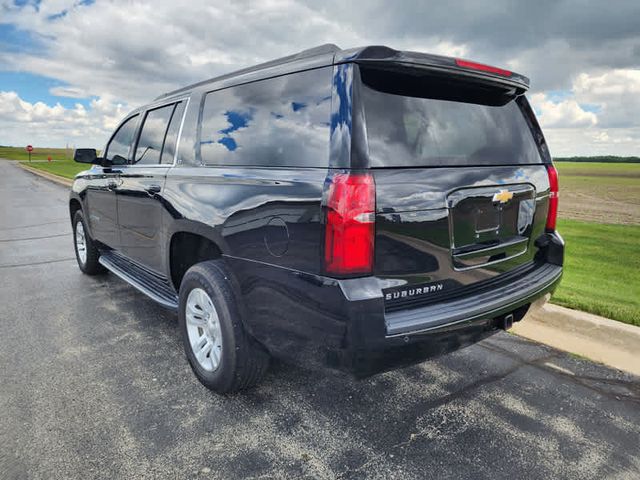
(29, 148)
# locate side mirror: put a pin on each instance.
(86, 155)
(117, 160)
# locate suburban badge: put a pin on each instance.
(412, 292)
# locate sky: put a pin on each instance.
(70, 70)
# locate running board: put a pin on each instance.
(152, 285)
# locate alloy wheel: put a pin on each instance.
(203, 329)
(81, 243)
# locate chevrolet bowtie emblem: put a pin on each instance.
(503, 196)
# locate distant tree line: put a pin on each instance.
(604, 159)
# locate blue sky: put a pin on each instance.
(37, 88)
(69, 70)
(15, 39)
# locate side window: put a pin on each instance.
(282, 121)
(152, 135)
(169, 149)
(118, 148)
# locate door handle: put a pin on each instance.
(152, 189)
(111, 184)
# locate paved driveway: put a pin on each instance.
(94, 384)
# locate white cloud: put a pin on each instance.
(564, 114)
(613, 127)
(616, 93)
(445, 48)
(69, 92)
(22, 122)
(615, 83)
(568, 142)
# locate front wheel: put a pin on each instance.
(87, 253)
(223, 356)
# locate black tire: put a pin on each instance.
(243, 361)
(90, 266)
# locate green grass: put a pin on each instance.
(64, 168)
(19, 153)
(600, 159)
(598, 169)
(61, 160)
(602, 270)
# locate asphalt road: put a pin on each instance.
(94, 384)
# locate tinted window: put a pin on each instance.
(406, 130)
(169, 149)
(152, 135)
(118, 148)
(281, 121)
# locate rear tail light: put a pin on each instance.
(552, 215)
(350, 224)
(482, 67)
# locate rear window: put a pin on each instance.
(443, 127)
(281, 121)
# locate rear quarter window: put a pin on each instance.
(431, 128)
(282, 121)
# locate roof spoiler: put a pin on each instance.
(381, 55)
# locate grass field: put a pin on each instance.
(19, 153)
(61, 160)
(600, 221)
(600, 192)
(603, 158)
(64, 168)
(602, 269)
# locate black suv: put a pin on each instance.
(358, 209)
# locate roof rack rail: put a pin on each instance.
(310, 52)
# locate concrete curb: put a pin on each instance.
(607, 341)
(49, 176)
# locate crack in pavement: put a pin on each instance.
(575, 378)
(35, 225)
(16, 265)
(34, 238)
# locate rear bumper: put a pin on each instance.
(411, 336)
(320, 322)
(488, 304)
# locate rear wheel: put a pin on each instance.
(87, 253)
(223, 356)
